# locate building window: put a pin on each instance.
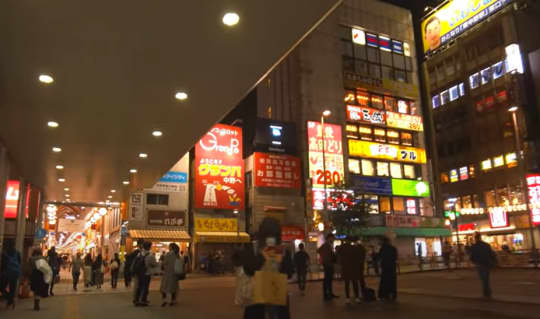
(474, 81)
(411, 206)
(445, 178)
(490, 198)
(157, 199)
(393, 137)
(354, 166)
(395, 170)
(362, 98)
(467, 201)
(373, 55)
(399, 206)
(409, 171)
(384, 203)
(403, 107)
(382, 169)
(389, 104)
(377, 102)
(372, 202)
(406, 139)
(367, 168)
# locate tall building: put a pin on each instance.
(360, 65)
(482, 73)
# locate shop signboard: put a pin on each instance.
(372, 185)
(406, 187)
(498, 218)
(166, 218)
(333, 155)
(533, 184)
(387, 151)
(404, 121)
(71, 225)
(219, 169)
(290, 233)
(454, 18)
(276, 170)
(365, 114)
(402, 221)
(135, 205)
(216, 224)
(12, 198)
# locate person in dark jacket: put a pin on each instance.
(301, 263)
(328, 258)
(76, 266)
(10, 271)
(87, 270)
(388, 258)
(97, 270)
(115, 269)
(485, 260)
(53, 260)
(37, 281)
(352, 259)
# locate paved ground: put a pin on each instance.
(423, 295)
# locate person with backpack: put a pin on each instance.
(53, 260)
(40, 277)
(301, 263)
(143, 267)
(115, 269)
(10, 271)
(76, 266)
(173, 267)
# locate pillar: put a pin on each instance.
(4, 175)
(21, 218)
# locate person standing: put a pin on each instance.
(130, 258)
(87, 270)
(352, 260)
(97, 270)
(76, 266)
(40, 277)
(10, 271)
(169, 281)
(328, 258)
(388, 258)
(115, 269)
(374, 260)
(52, 259)
(447, 253)
(144, 266)
(485, 260)
(301, 263)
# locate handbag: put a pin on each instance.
(45, 269)
(114, 265)
(270, 288)
(244, 289)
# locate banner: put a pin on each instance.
(71, 225)
(387, 151)
(272, 170)
(219, 169)
(333, 155)
(216, 224)
(404, 121)
(455, 17)
(365, 114)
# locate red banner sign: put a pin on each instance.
(219, 169)
(12, 199)
(290, 233)
(533, 184)
(333, 155)
(365, 114)
(273, 170)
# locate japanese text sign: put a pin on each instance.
(272, 170)
(219, 169)
(333, 154)
(216, 225)
(498, 218)
(12, 198)
(365, 114)
(290, 233)
(387, 151)
(533, 184)
(166, 218)
(404, 121)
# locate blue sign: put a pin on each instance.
(372, 185)
(174, 177)
(397, 46)
(41, 233)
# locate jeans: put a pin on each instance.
(483, 273)
(301, 273)
(114, 278)
(328, 280)
(75, 279)
(141, 293)
(12, 284)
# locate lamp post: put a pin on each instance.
(522, 165)
(324, 114)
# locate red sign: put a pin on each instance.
(465, 227)
(533, 183)
(12, 198)
(272, 170)
(333, 155)
(290, 233)
(335, 199)
(365, 114)
(219, 169)
(498, 218)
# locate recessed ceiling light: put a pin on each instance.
(52, 124)
(45, 78)
(113, 190)
(231, 18)
(133, 171)
(157, 133)
(181, 96)
(143, 155)
(61, 180)
(59, 166)
(66, 189)
(67, 195)
(109, 197)
(125, 182)
(56, 149)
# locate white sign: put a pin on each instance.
(514, 60)
(71, 225)
(135, 206)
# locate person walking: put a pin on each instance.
(388, 258)
(169, 281)
(485, 260)
(52, 259)
(10, 271)
(76, 266)
(130, 258)
(115, 269)
(301, 264)
(351, 259)
(97, 269)
(40, 276)
(87, 270)
(328, 258)
(447, 253)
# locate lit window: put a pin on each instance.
(406, 138)
(385, 204)
(377, 102)
(354, 166)
(463, 173)
(367, 168)
(403, 107)
(382, 169)
(395, 170)
(389, 104)
(409, 171)
(485, 75)
(471, 171)
(498, 161)
(373, 203)
(511, 160)
(393, 137)
(474, 81)
(399, 206)
(454, 176)
(351, 128)
(461, 89)
(445, 178)
(498, 70)
(445, 97)
(436, 101)
(362, 98)
(411, 206)
(454, 93)
(486, 165)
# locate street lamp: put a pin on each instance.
(324, 114)
(522, 165)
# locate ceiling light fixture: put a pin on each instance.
(66, 189)
(133, 171)
(113, 190)
(61, 180)
(45, 78)
(143, 155)
(52, 124)
(59, 166)
(56, 149)
(181, 96)
(157, 133)
(67, 195)
(125, 182)
(231, 18)
(109, 197)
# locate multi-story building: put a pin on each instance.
(482, 63)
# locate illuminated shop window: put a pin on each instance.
(382, 169)
(454, 176)
(377, 101)
(511, 160)
(474, 81)
(380, 135)
(476, 201)
(351, 128)
(373, 203)
(463, 173)
(489, 197)
(389, 104)
(498, 161)
(485, 75)
(354, 166)
(406, 138)
(471, 171)
(393, 137)
(367, 168)
(467, 201)
(516, 195)
(445, 178)
(498, 70)
(436, 101)
(411, 206)
(365, 133)
(454, 93)
(399, 206)
(461, 89)
(349, 97)
(486, 164)
(384, 203)
(362, 98)
(414, 108)
(503, 198)
(403, 107)
(409, 171)
(395, 170)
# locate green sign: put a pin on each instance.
(451, 214)
(405, 187)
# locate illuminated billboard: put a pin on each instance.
(454, 18)
(533, 185)
(365, 114)
(333, 155)
(387, 151)
(407, 187)
(404, 121)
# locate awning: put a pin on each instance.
(159, 234)
(403, 231)
(221, 237)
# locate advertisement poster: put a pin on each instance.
(365, 114)
(404, 121)
(333, 154)
(387, 151)
(219, 169)
(135, 204)
(272, 170)
(533, 184)
(454, 18)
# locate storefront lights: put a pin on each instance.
(514, 61)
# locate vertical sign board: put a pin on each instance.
(333, 154)
(219, 169)
(498, 218)
(12, 198)
(533, 184)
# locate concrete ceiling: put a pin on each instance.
(116, 67)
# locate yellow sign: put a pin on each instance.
(216, 225)
(387, 151)
(404, 121)
(454, 18)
